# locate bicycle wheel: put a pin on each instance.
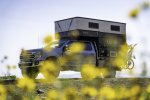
(130, 64)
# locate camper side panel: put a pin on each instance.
(65, 25)
(103, 26)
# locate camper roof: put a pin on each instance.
(88, 18)
(89, 24)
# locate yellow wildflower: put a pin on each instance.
(148, 89)
(134, 90)
(123, 92)
(134, 13)
(8, 67)
(88, 72)
(50, 70)
(26, 84)
(47, 42)
(11, 67)
(107, 93)
(57, 36)
(89, 91)
(145, 5)
(102, 72)
(76, 47)
(53, 95)
(70, 94)
(47, 39)
(47, 48)
(37, 98)
(14, 67)
(121, 59)
(2, 93)
(63, 60)
(25, 98)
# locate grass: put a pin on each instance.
(15, 93)
(9, 77)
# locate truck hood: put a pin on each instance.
(41, 54)
(55, 52)
(35, 50)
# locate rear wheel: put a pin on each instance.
(111, 73)
(31, 72)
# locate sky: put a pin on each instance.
(24, 23)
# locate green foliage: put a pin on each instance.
(78, 89)
(10, 77)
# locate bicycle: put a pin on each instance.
(129, 63)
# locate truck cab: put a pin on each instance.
(99, 40)
(86, 56)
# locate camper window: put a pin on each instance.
(115, 28)
(93, 25)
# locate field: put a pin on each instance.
(136, 85)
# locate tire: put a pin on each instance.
(111, 69)
(111, 74)
(30, 72)
(48, 73)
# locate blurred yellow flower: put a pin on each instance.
(11, 67)
(134, 13)
(53, 95)
(121, 59)
(25, 98)
(37, 98)
(119, 62)
(89, 91)
(57, 36)
(70, 94)
(14, 67)
(2, 93)
(148, 89)
(145, 5)
(102, 72)
(134, 90)
(88, 72)
(26, 84)
(62, 60)
(122, 93)
(47, 39)
(47, 48)
(107, 93)
(76, 47)
(50, 70)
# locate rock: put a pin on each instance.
(39, 91)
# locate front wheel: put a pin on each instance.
(30, 72)
(50, 68)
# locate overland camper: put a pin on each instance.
(102, 41)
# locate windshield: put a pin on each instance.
(56, 44)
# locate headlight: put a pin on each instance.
(38, 55)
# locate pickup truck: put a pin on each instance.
(102, 41)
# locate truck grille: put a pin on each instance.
(27, 59)
(26, 64)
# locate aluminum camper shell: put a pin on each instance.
(102, 32)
